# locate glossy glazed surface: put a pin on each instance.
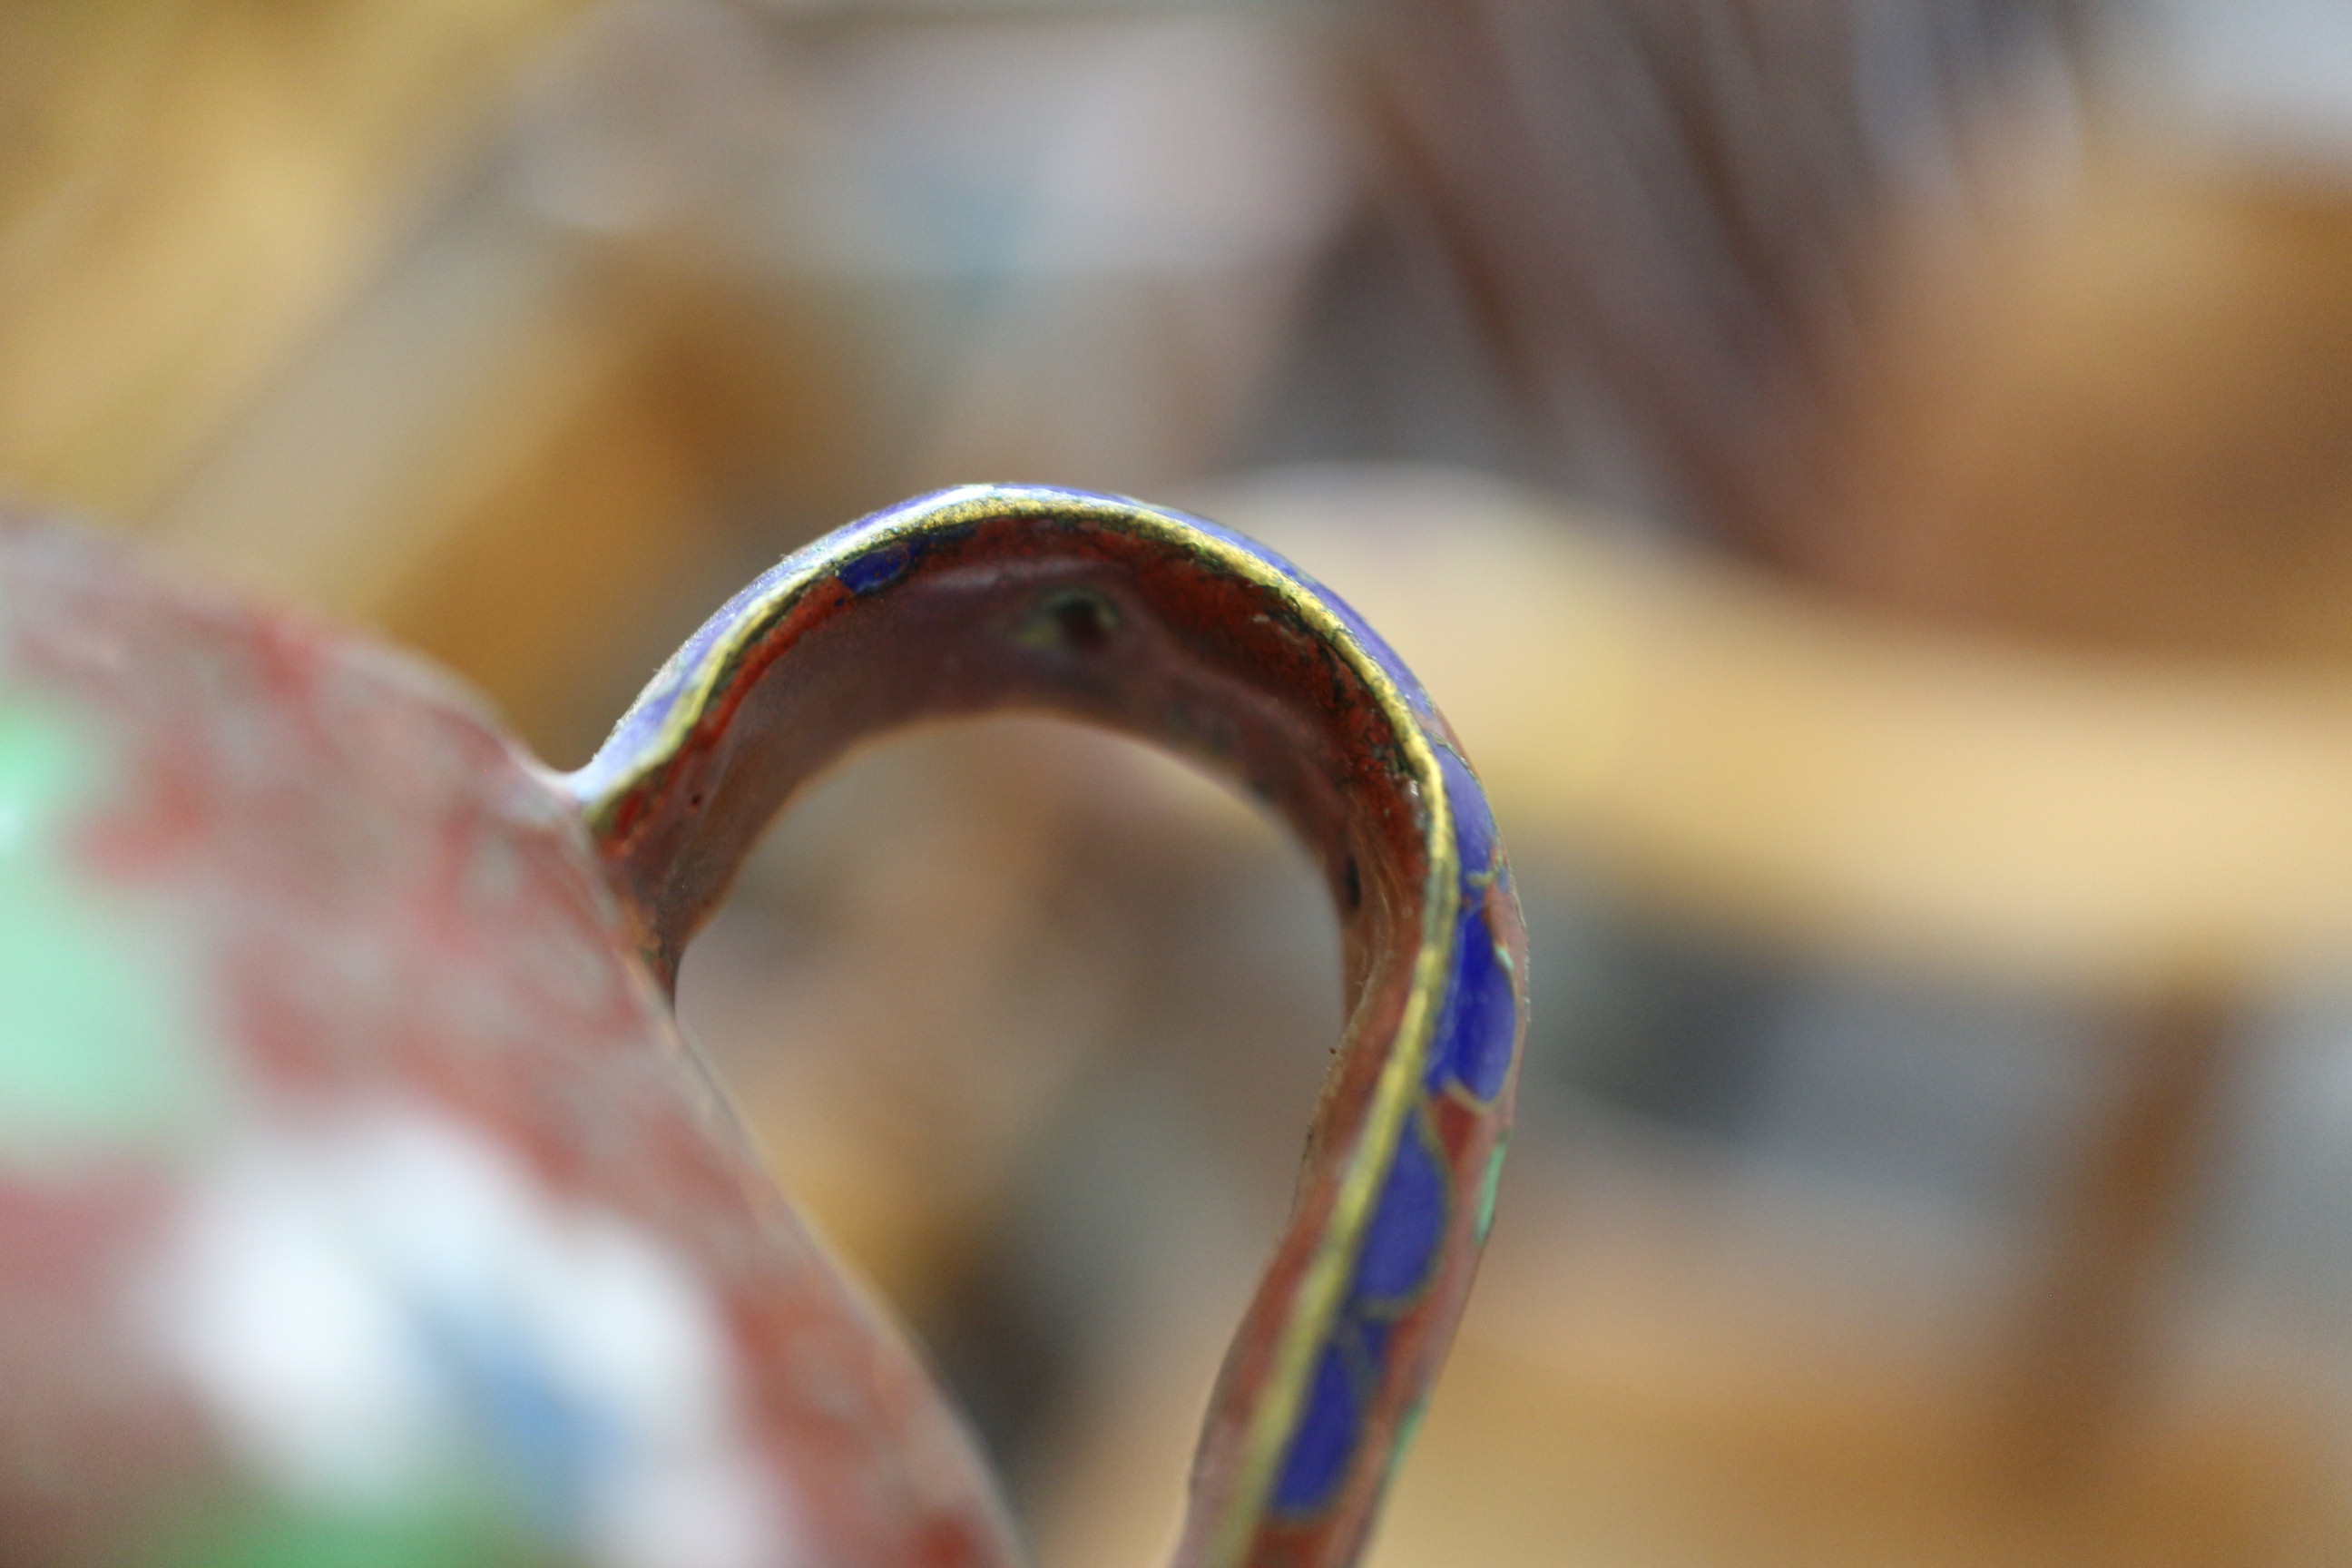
(359, 1202)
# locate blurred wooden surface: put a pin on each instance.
(187, 188)
(1640, 1382)
(511, 332)
(2120, 417)
(1661, 1371)
(1722, 743)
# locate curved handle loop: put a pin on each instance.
(1180, 633)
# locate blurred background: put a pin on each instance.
(1871, 481)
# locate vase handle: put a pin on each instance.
(1182, 633)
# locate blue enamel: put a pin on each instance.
(1373, 643)
(1480, 1021)
(864, 573)
(556, 1448)
(1394, 668)
(1368, 1340)
(1474, 820)
(1325, 1439)
(1401, 1242)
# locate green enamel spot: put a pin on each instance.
(1490, 1185)
(450, 1532)
(96, 1049)
(1408, 1429)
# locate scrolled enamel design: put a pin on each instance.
(1189, 637)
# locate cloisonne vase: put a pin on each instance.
(361, 1206)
